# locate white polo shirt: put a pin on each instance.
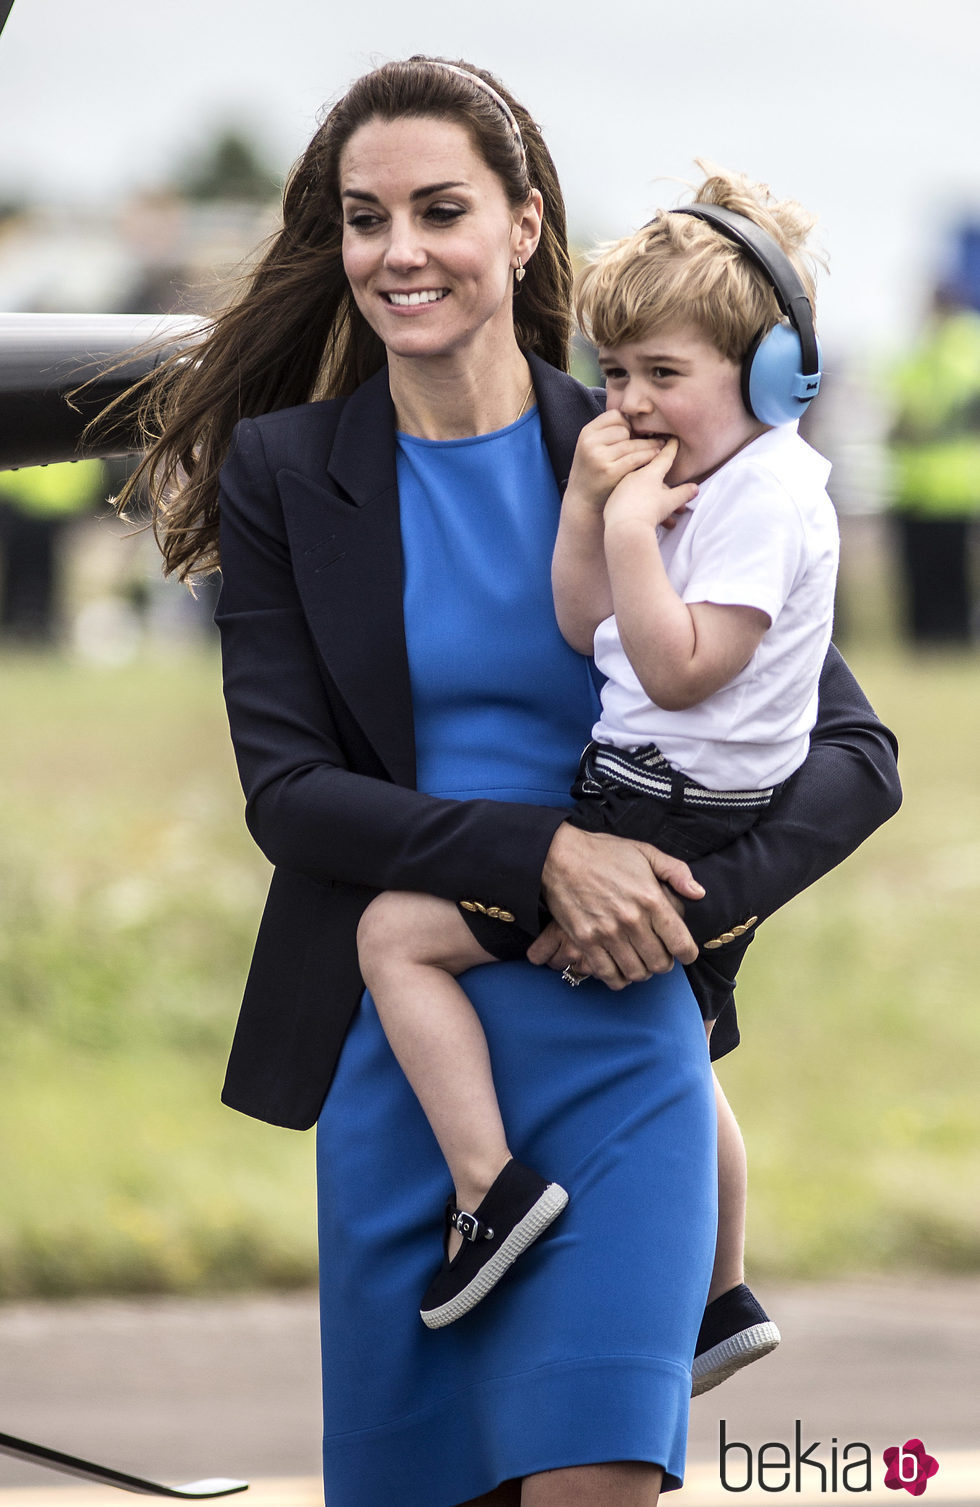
(762, 532)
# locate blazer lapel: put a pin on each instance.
(565, 407)
(345, 539)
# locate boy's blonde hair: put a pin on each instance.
(681, 270)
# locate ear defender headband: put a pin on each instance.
(781, 369)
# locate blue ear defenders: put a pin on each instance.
(781, 369)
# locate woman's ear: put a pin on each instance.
(527, 226)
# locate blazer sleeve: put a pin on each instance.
(846, 787)
(309, 806)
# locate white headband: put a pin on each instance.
(498, 100)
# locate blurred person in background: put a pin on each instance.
(935, 451)
(36, 505)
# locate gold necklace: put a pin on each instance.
(527, 395)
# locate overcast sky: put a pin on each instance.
(863, 109)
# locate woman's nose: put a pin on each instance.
(404, 250)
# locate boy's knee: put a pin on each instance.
(385, 935)
(401, 929)
(392, 932)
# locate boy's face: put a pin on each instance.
(675, 384)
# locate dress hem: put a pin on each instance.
(553, 1417)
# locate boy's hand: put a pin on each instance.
(644, 496)
(605, 453)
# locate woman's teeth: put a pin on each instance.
(427, 295)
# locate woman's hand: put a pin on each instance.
(608, 896)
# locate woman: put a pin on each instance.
(405, 715)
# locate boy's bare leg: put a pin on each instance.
(411, 947)
(729, 1267)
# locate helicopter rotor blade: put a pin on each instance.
(58, 371)
(72, 1465)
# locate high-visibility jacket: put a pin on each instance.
(936, 437)
(55, 491)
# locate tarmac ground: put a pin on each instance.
(179, 1389)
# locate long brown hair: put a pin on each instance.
(295, 332)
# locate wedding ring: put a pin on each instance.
(569, 976)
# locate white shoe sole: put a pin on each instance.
(722, 1361)
(535, 1222)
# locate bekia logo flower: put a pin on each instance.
(909, 1466)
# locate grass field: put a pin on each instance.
(129, 894)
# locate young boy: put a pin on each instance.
(696, 557)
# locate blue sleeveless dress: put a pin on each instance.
(583, 1354)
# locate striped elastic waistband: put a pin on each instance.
(648, 772)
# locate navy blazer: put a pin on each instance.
(319, 704)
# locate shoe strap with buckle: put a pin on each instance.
(469, 1226)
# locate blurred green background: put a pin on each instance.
(129, 896)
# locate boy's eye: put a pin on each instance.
(614, 373)
(661, 373)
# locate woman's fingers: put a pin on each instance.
(626, 947)
(609, 896)
(552, 949)
(673, 871)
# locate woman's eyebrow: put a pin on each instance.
(417, 193)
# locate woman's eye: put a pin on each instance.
(362, 219)
(444, 214)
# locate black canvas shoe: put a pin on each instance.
(518, 1208)
(735, 1331)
